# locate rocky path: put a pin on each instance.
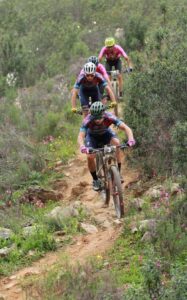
(76, 186)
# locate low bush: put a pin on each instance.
(157, 115)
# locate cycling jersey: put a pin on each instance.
(100, 69)
(84, 82)
(99, 140)
(93, 129)
(112, 53)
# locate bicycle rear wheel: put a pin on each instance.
(105, 189)
(117, 192)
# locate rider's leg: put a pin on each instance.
(91, 163)
(92, 168)
(90, 142)
(101, 90)
(120, 79)
(118, 66)
(115, 141)
(108, 67)
(84, 100)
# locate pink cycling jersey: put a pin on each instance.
(112, 53)
(100, 69)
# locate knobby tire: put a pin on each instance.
(117, 192)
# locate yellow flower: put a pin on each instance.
(99, 256)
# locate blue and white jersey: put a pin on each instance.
(84, 82)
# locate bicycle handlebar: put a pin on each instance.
(92, 150)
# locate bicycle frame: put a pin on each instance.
(106, 157)
(107, 171)
(115, 86)
(114, 82)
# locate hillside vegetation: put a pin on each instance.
(57, 37)
(44, 44)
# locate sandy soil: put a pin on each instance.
(76, 186)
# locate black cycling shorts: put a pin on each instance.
(116, 63)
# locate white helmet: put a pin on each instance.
(89, 68)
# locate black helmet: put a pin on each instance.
(94, 60)
(97, 109)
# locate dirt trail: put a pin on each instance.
(76, 186)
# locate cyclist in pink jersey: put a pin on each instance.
(113, 54)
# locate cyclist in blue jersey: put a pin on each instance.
(100, 69)
(87, 86)
(95, 133)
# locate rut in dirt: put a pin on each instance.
(77, 186)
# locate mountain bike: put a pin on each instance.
(108, 173)
(115, 85)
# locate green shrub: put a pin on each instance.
(152, 271)
(179, 141)
(135, 31)
(2, 85)
(176, 289)
(152, 114)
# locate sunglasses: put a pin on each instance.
(98, 117)
(90, 75)
(110, 47)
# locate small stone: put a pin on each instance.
(89, 228)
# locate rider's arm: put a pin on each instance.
(111, 94)
(101, 54)
(129, 62)
(81, 138)
(127, 130)
(73, 97)
(104, 73)
(125, 56)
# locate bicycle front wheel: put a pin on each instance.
(117, 192)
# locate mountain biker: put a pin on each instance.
(100, 68)
(113, 54)
(95, 133)
(87, 85)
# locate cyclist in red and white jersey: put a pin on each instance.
(113, 54)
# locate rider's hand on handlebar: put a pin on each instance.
(86, 150)
(113, 104)
(129, 69)
(131, 143)
(74, 110)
